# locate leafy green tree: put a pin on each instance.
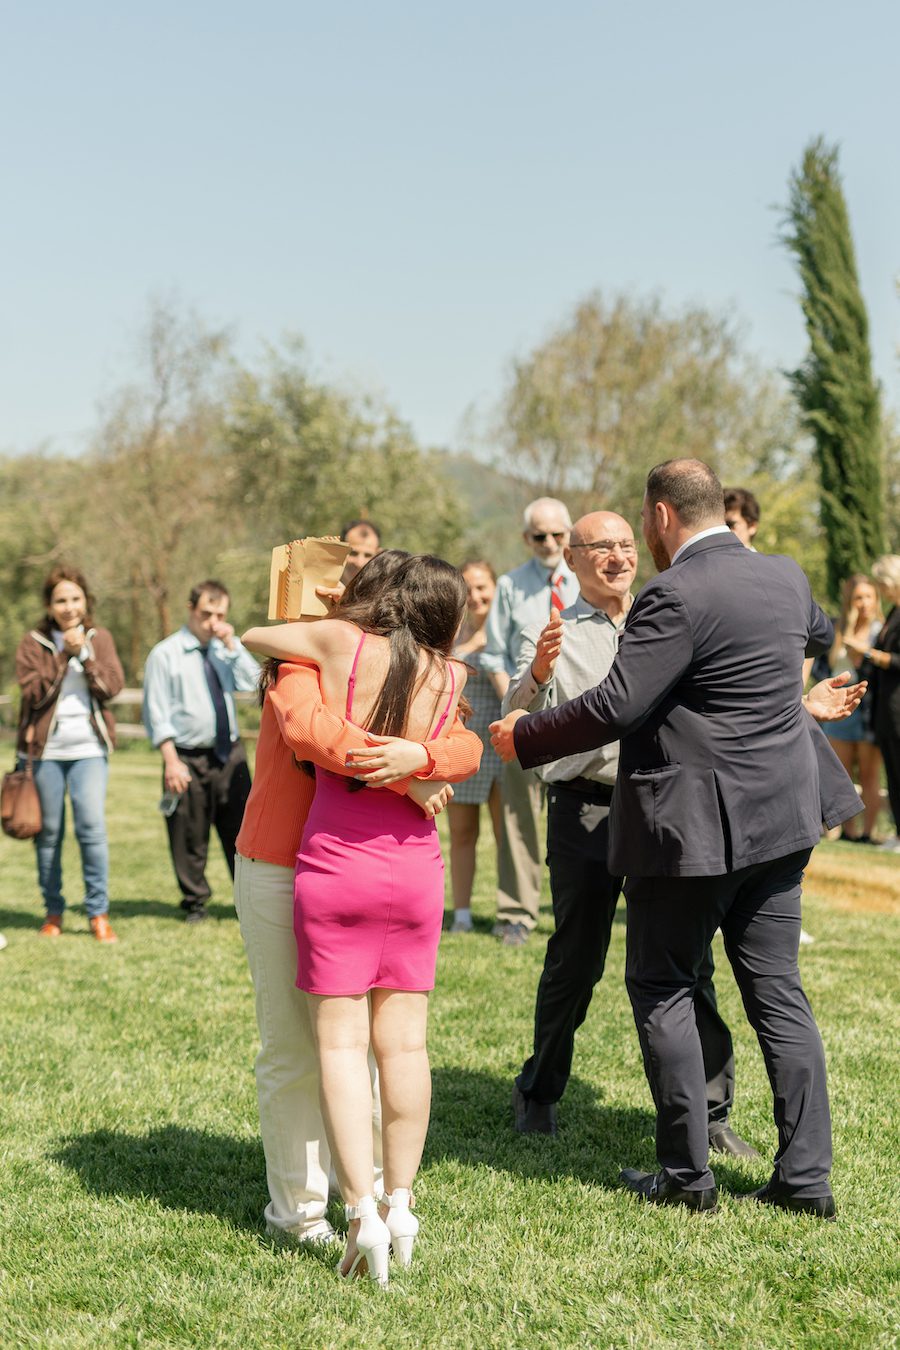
(152, 521)
(622, 384)
(303, 457)
(834, 386)
(890, 445)
(34, 491)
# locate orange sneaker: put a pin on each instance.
(102, 930)
(52, 926)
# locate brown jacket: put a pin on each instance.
(40, 670)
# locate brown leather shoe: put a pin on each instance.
(102, 930)
(52, 926)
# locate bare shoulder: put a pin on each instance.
(460, 673)
(336, 636)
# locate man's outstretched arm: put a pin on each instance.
(656, 649)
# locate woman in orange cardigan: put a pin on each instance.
(296, 726)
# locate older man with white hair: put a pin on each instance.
(524, 599)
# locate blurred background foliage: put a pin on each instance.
(199, 464)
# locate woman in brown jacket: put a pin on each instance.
(68, 671)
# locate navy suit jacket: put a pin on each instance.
(718, 768)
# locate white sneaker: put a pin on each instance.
(806, 939)
(2, 942)
(891, 845)
(319, 1231)
(461, 926)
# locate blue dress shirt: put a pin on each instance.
(177, 702)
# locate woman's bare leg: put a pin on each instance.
(399, 1022)
(495, 806)
(870, 783)
(846, 753)
(345, 1089)
(464, 827)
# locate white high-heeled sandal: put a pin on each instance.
(402, 1225)
(373, 1241)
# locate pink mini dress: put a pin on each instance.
(369, 886)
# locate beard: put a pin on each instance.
(657, 548)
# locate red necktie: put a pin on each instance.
(556, 595)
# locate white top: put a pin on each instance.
(71, 734)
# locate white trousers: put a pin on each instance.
(298, 1163)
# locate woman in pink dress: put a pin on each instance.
(369, 891)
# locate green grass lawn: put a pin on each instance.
(132, 1174)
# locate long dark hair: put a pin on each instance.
(421, 610)
(368, 582)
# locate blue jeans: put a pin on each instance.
(86, 782)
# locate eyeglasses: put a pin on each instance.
(603, 547)
(550, 534)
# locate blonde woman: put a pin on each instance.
(883, 661)
(853, 739)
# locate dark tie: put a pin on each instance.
(222, 747)
(556, 595)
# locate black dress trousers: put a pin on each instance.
(671, 921)
(584, 898)
(216, 796)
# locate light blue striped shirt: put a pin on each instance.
(177, 703)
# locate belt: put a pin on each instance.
(602, 793)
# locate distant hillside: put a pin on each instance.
(493, 502)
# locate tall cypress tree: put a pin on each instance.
(834, 385)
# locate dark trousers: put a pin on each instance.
(584, 903)
(671, 921)
(889, 744)
(216, 796)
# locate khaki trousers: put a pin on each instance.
(520, 855)
(298, 1162)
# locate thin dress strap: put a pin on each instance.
(351, 683)
(443, 717)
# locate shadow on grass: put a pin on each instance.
(119, 909)
(21, 918)
(471, 1120)
(161, 909)
(180, 1168)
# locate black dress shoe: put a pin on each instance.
(196, 915)
(533, 1117)
(820, 1206)
(656, 1188)
(724, 1140)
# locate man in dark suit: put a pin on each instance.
(715, 812)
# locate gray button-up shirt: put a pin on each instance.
(590, 642)
(522, 600)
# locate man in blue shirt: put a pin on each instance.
(189, 684)
(524, 599)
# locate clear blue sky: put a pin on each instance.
(422, 191)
